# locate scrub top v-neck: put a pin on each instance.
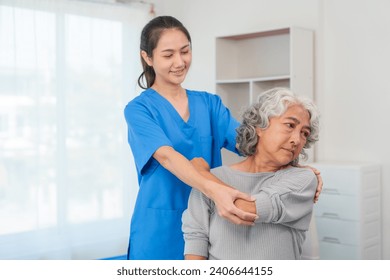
(174, 112)
(153, 122)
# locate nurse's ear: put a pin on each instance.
(147, 58)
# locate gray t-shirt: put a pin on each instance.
(284, 203)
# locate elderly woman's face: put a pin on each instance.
(285, 136)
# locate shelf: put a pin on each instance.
(265, 33)
(248, 80)
(249, 64)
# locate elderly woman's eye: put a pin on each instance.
(306, 134)
(290, 125)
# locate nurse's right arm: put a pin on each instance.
(222, 195)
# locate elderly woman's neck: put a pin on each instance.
(254, 164)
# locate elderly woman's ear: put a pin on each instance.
(259, 131)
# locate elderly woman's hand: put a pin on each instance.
(320, 183)
(319, 179)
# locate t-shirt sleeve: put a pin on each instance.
(224, 124)
(145, 135)
(288, 200)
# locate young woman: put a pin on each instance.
(167, 126)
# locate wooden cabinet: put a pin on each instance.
(348, 213)
(248, 64)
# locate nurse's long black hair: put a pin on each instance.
(150, 36)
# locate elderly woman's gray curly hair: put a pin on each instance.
(273, 103)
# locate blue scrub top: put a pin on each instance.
(153, 122)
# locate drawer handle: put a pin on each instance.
(330, 191)
(330, 215)
(331, 240)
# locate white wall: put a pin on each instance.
(207, 19)
(352, 46)
(355, 92)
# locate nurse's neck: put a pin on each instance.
(170, 92)
(178, 98)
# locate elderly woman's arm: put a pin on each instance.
(288, 200)
(258, 207)
(250, 206)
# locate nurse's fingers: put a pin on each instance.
(244, 196)
(245, 217)
(245, 208)
(238, 221)
(235, 215)
(225, 199)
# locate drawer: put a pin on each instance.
(332, 251)
(338, 231)
(337, 207)
(350, 178)
(343, 181)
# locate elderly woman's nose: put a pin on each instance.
(295, 137)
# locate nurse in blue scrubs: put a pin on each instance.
(167, 127)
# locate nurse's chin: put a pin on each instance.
(177, 80)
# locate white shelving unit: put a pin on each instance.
(248, 64)
(348, 213)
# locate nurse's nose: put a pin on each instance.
(178, 61)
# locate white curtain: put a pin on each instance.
(67, 180)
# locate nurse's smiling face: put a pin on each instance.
(171, 58)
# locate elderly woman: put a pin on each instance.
(274, 132)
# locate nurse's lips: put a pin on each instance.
(178, 72)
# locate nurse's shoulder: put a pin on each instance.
(141, 104)
(209, 98)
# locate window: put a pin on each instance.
(67, 181)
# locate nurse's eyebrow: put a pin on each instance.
(172, 50)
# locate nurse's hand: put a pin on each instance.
(225, 196)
